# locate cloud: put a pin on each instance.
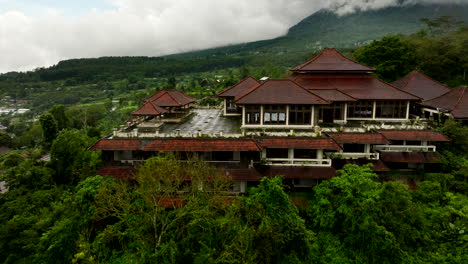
(154, 27)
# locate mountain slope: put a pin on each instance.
(326, 29)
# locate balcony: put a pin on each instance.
(352, 155)
(404, 148)
(298, 162)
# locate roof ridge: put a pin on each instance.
(239, 82)
(297, 68)
(401, 90)
(410, 76)
(427, 76)
(461, 97)
(309, 91)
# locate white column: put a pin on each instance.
(261, 115)
(373, 109)
(319, 153)
(312, 116)
(264, 154)
(291, 154)
(345, 112)
(243, 115)
(243, 186)
(287, 115)
(367, 148)
(407, 110)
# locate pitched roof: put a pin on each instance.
(280, 92)
(202, 145)
(330, 60)
(455, 102)
(359, 138)
(118, 172)
(414, 135)
(421, 85)
(170, 98)
(116, 144)
(410, 157)
(299, 143)
(239, 87)
(358, 86)
(149, 109)
(332, 95)
(289, 172)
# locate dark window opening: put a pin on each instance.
(305, 153)
(277, 153)
(328, 113)
(300, 115)
(390, 109)
(360, 109)
(354, 148)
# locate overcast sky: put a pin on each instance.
(38, 33)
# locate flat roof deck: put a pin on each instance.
(207, 121)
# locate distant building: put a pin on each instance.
(329, 112)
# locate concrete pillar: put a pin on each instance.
(312, 116)
(264, 154)
(243, 187)
(287, 115)
(261, 115)
(291, 155)
(345, 116)
(374, 108)
(319, 153)
(407, 110)
(367, 148)
(243, 115)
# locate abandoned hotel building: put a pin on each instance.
(329, 112)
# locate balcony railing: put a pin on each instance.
(352, 155)
(298, 162)
(405, 148)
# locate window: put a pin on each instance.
(360, 110)
(252, 114)
(305, 154)
(300, 114)
(274, 114)
(231, 107)
(335, 110)
(389, 109)
(276, 153)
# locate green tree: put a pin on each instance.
(71, 159)
(391, 56)
(49, 127)
(58, 112)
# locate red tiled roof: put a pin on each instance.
(333, 95)
(170, 98)
(289, 172)
(116, 144)
(455, 101)
(421, 85)
(239, 87)
(249, 175)
(359, 138)
(410, 157)
(149, 109)
(118, 172)
(358, 86)
(299, 143)
(203, 145)
(414, 135)
(330, 60)
(280, 92)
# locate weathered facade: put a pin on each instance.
(330, 112)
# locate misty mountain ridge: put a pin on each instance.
(325, 28)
